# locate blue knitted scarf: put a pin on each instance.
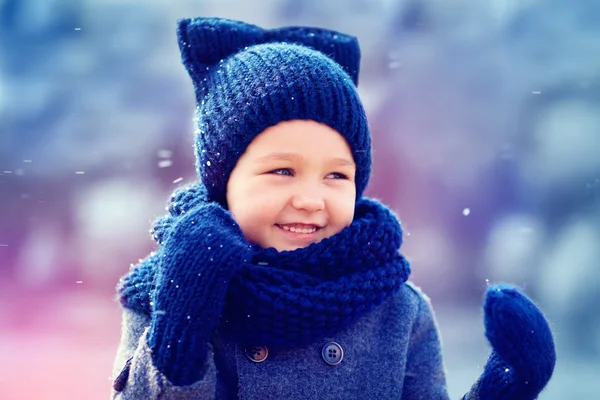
(283, 299)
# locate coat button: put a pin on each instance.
(332, 353)
(257, 354)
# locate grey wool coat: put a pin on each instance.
(393, 352)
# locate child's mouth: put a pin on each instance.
(299, 231)
(297, 228)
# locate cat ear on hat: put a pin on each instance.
(341, 48)
(204, 42)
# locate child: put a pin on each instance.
(274, 277)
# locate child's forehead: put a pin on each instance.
(298, 138)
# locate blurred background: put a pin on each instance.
(486, 126)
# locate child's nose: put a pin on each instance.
(309, 199)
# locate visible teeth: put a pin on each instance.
(298, 230)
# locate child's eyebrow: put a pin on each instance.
(343, 162)
(279, 157)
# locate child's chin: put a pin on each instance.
(289, 246)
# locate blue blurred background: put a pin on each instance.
(486, 127)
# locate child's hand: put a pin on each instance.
(203, 225)
(200, 255)
(523, 355)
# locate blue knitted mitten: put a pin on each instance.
(199, 257)
(523, 354)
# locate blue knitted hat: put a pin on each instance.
(247, 79)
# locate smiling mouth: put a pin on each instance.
(295, 228)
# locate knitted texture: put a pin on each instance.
(192, 272)
(135, 293)
(293, 297)
(247, 79)
(523, 355)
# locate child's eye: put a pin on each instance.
(337, 175)
(283, 171)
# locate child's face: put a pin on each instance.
(293, 186)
